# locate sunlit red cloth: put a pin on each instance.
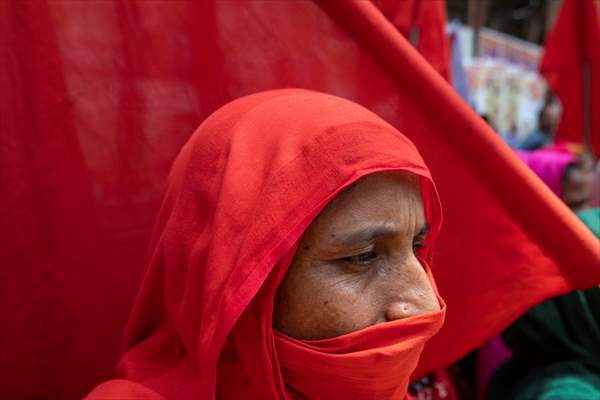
(573, 45)
(549, 165)
(240, 195)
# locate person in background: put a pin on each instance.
(547, 122)
(556, 345)
(591, 216)
(510, 137)
(570, 177)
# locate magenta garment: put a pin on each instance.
(491, 355)
(548, 165)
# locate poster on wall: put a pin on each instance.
(503, 80)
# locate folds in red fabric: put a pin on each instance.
(97, 100)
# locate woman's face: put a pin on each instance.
(356, 265)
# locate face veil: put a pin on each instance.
(240, 195)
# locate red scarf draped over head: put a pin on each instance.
(240, 195)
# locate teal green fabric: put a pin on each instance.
(591, 217)
(556, 347)
(567, 380)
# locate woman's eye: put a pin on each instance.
(417, 244)
(363, 258)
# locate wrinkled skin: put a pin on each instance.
(356, 265)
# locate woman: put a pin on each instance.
(290, 259)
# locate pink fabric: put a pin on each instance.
(548, 165)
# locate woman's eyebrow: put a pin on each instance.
(371, 233)
(364, 235)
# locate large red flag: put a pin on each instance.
(98, 97)
(571, 65)
(423, 22)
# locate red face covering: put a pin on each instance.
(241, 193)
(373, 363)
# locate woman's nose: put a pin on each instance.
(413, 293)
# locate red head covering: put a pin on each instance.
(241, 193)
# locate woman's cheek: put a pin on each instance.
(342, 310)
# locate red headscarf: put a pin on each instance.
(240, 195)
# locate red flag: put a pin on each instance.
(93, 115)
(505, 234)
(423, 22)
(571, 65)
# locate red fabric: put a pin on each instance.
(528, 237)
(66, 243)
(425, 23)
(240, 195)
(98, 98)
(574, 41)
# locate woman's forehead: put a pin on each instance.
(382, 186)
(387, 200)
